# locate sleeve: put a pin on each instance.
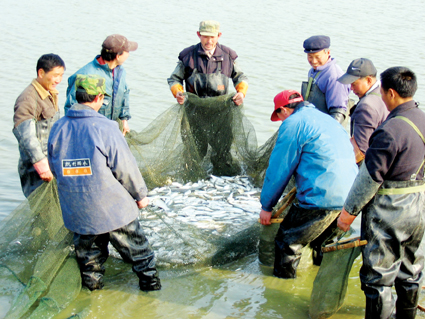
(363, 190)
(70, 94)
(336, 93)
(175, 81)
(26, 135)
(26, 108)
(283, 162)
(363, 125)
(381, 154)
(50, 149)
(125, 110)
(124, 166)
(240, 80)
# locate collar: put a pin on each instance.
(82, 110)
(402, 108)
(104, 66)
(373, 87)
(301, 105)
(215, 52)
(44, 94)
(210, 53)
(79, 106)
(326, 65)
(100, 60)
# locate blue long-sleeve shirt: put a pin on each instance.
(117, 106)
(316, 149)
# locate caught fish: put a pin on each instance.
(182, 219)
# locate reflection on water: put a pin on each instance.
(268, 38)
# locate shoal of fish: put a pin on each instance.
(185, 222)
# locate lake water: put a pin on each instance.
(268, 37)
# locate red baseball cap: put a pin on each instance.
(282, 99)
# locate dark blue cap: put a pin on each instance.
(316, 43)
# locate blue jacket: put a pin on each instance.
(115, 107)
(97, 175)
(316, 149)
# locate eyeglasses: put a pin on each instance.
(278, 110)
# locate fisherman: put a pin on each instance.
(370, 111)
(115, 51)
(317, 151)
(389, 190)
(322, 89)
(100, 188)
(36, 109)
(206, 69)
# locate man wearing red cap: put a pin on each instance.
(317, 151)
(115, 51)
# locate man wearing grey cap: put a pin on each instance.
(206, 68)
(370, 111)
(322, 89)
(115, 51)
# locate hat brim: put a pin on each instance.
(348, 78)
(274, 117)
(209, 34)
(132, 46)
(314, 51)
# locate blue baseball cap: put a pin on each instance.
(316, 43)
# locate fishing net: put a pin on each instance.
(330, 285)
(266, 247)
(205, 135)
(34, 254)
(213, 224)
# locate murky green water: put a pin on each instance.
(242, 289)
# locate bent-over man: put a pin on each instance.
(317, 151)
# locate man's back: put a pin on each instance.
(396, 150)
(316, 149)
(97, 175)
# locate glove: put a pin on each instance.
(337, 114)
(345, 220)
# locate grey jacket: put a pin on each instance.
(366, 116)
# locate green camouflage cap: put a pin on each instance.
(91, 83)
(209, 28)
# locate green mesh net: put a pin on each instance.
(330, 285)
(205, 135)
(39, 275)
(34, 251)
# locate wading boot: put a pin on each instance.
(92, 280)
(150, 282)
